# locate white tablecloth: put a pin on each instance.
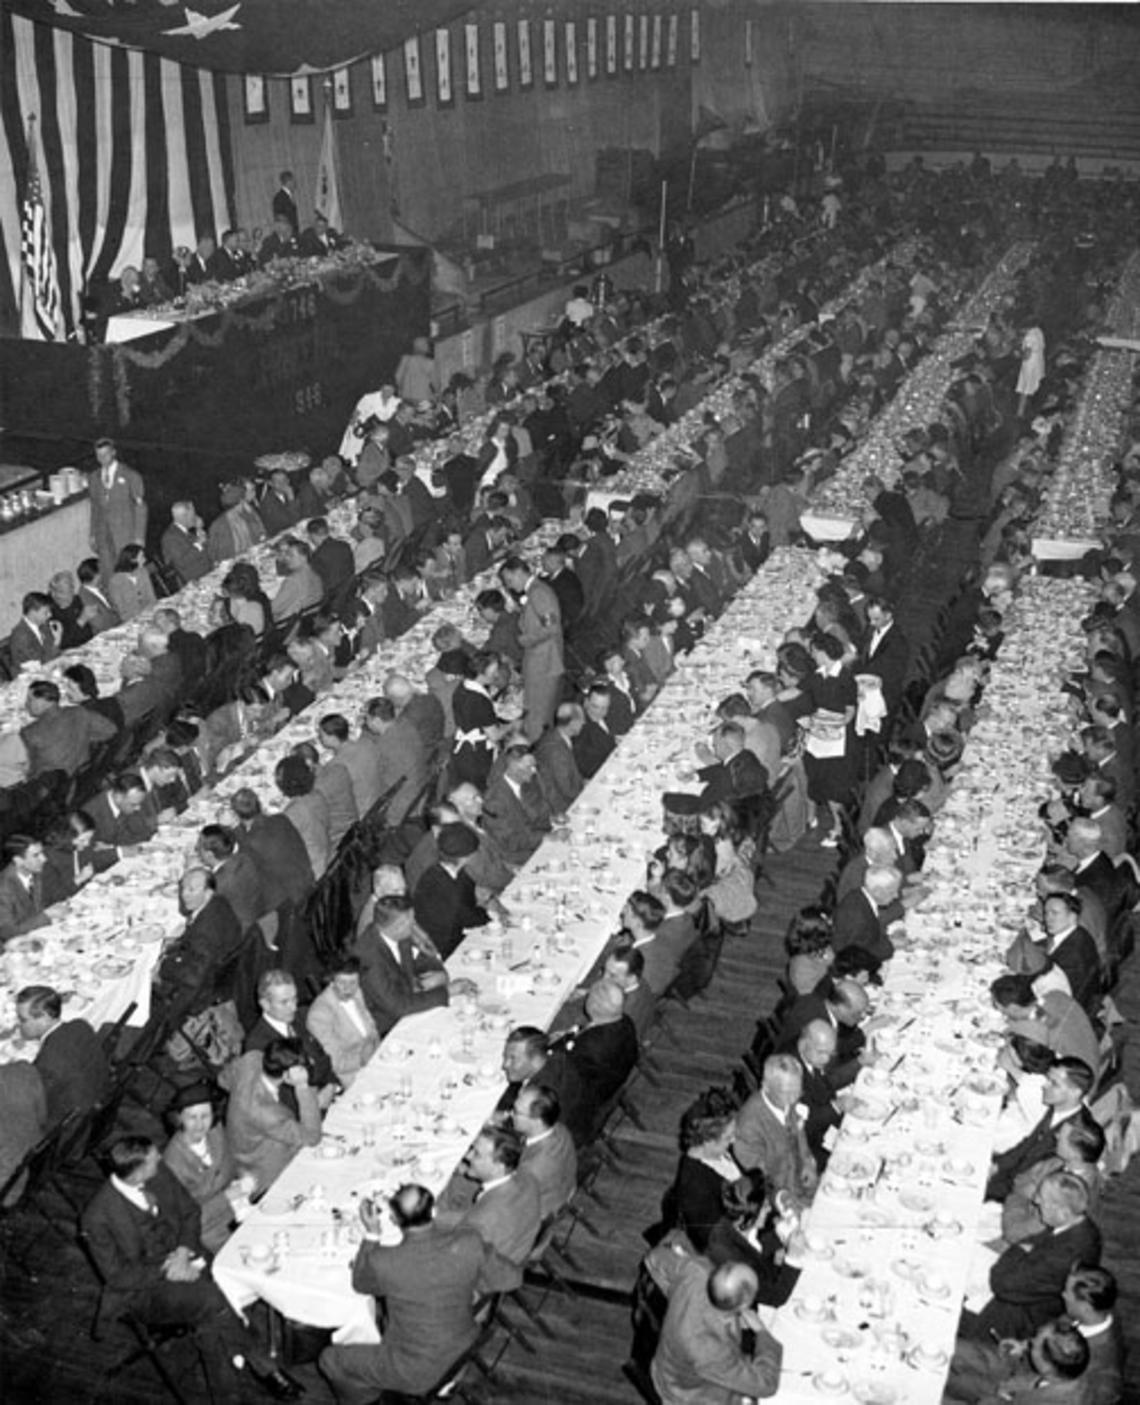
(564, 907)
(893, 1277)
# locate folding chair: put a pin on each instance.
(152, 1343)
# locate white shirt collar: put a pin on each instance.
(541, 1137)
(1097, 1329)
(135, 1194)
(779, 1113)
(490, 1185)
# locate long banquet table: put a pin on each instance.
(103, 946)
(891, 1233)
(412, 1112)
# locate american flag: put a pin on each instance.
(41, 316)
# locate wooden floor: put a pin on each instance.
(47, 1356)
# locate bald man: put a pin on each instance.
(605, 1052)
(702, 1354)
(423, 710)
(815, 1051)
(845, 1009)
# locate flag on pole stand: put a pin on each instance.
(326, 201)
(41, 310)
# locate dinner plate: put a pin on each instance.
(460, 1055)
(151, 933)
(111, 968)
(916, 1200)
(943, 1229)
(906, 1268)
(853, 1167)
(872, 1216)
(851, 1268)
(932, 1286)
(805, 1314)
(958, 1169)
(841, 1338)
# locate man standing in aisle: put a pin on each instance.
(118, 507)
(540, 634)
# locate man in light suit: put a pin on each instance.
(540, 634)
(118, 507)
(21, 888)
(70, 1059)
(770, 1134)
(556, 761)
(429, 1282)
(401, 756)
(395, 979)
(702, 1354)
(340, 1020)
(35, 637)
(263, 1134)
(507, 1208)
(548, 1157)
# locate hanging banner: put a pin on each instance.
(379, 83)
(444, 91)
(671, 49)
(695, 36)
(413, 71)
(611, 45)
(655, 44)
(550, 53)
(571, 33)
(627, 54)
(526, 73)
(502, 70)
(474, 75)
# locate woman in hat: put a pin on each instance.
(199, 1156)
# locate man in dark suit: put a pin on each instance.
(332, 558)
(736, 774)
(21, 887)
(70, 1058)
(395, 978)
(285, 201)
(278, 505)
(235, 873)
(863, 916)
(563, 580)
(184, 547)
(277, 848)
(446, 903)
(212, 936)
(121, 816)
(144, 1231)
(887, 651)
(1028, 1280)
(844, 1008)
(1093, 870)
(763, 690)
(598, 563)
(530, 1059)
(1072, 950)
(594, 741)
(279, 243)
(428, 1284)
(516, 814)
(815, 1051)
(60, 738)
(277, 999)
(320, 239)
(1067, 1084)
(229, 261)
(603, 1054)
(34, 639)
(185, 645)
(423, 711)
(556, 761)
(155, 687)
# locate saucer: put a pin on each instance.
(945, 1230)
(851, 1268)
(111, 969)
(906, 1269)
(827, 1384)
(958, 1169)
(331, 1151)
(805, 1315)
(841, 1338)
(932, 1287)
(923, 1359)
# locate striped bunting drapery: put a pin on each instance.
(136, 154)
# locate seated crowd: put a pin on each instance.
(441, 793)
